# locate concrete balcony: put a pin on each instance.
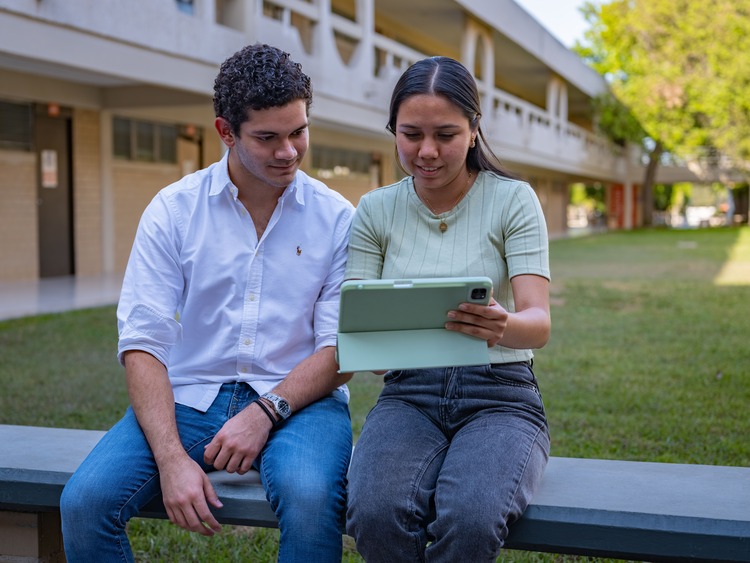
(354, 70)
(150, 54)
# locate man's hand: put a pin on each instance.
(238, 443)
(186, 491)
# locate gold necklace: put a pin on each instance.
(443, 226)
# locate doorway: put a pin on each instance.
(52, 139)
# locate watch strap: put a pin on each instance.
(264, 408)
(277, 401)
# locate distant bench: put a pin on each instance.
(620, 509)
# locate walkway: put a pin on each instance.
(54, 295)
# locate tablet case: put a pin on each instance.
(399, 324)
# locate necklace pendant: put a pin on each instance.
(443, 227)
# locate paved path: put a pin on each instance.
(54, 295)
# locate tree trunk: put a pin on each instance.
(647, 191)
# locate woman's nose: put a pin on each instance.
(428, 149)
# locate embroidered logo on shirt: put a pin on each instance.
(299, 250)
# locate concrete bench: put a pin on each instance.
(620, 509)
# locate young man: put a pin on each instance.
(227, 322)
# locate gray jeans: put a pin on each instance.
(448, 458)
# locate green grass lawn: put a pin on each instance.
(649, 360)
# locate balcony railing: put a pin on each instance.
(357, 65)
(349, 62)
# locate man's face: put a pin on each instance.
(270, 145)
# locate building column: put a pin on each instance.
(364, 56)
(206, 10)
(557, 99)
(629, 188)
(107, 200)
(563, 102)
(472, 35)
(627, 204)
(251, 16)
(324, 48)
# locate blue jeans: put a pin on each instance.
(302, 466)
(448, 458)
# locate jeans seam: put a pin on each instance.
(411, 519)
(530, 449)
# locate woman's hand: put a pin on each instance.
(487, 322)
(529, 325)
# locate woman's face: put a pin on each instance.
(432, 139)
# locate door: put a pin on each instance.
(54, 189)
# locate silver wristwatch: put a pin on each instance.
(280, 405)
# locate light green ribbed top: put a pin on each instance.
(497, 230)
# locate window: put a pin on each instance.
(15, 126)
(144, 141)
(230, 13)
(185, 6)
(168, 143)
(121, 131)
(330, 162)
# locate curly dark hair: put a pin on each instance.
(258, 77)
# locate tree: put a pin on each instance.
(682, 68)
(620, 125)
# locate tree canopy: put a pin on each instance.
(682, 67)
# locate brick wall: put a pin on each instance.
(134, 186)
(18, 216)
(87, 192)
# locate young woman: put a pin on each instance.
(448, 458)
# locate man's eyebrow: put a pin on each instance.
(270, 132)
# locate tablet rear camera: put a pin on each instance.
(479, 294)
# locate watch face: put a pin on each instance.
(283, 408)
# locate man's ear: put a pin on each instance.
(225, 131)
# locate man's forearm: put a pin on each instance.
(311, 379)
(153, 403)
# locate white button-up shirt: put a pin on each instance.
(213, 303)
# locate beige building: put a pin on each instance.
(104, 102)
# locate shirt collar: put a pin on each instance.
(220, 181)
(220, 177)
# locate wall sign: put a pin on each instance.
(49, 169)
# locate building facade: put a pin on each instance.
(104, 102)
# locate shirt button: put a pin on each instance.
(243, 369)
(247, 342)
(251, 297)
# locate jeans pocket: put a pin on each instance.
(393, 376)
(516, 374)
